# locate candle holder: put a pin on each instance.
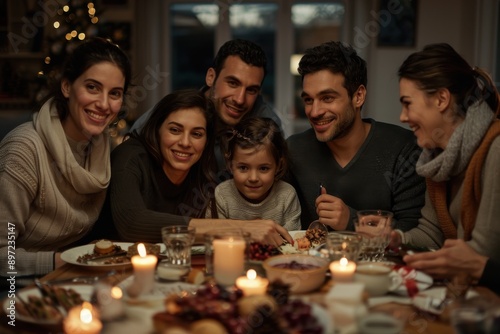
(226, 255)
(344, 244)
(109, 300)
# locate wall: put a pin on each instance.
(447, 21)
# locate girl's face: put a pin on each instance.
(253, 171)
(183, 136)
(424, 115)
(94, 100)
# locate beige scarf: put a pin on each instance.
(95, 175)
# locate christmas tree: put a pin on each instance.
(75, 20)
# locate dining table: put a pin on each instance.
(138, 319)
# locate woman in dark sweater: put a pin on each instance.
(165, 175)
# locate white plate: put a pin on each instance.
(71, 256)
(425, 299)
(423, 280)
(84, 290)
(160, 291)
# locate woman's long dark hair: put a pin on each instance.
(92, 51)
(440, 66)
(202, 174)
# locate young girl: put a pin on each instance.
(257, 156)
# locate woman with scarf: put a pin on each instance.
(452, 109)
(55, 169)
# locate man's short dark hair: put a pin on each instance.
(248, 51)
(338, 58)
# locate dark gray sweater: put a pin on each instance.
(380, 176)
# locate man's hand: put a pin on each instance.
(332, 211)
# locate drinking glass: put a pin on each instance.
(375, 226)
(469, 320)
(344, 244)
(178, 240)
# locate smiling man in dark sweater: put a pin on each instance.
(361, 163)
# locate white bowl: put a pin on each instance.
(299, 280)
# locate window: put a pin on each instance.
(193, 39)
(197, 30)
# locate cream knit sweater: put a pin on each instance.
(47, 198)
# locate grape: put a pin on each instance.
(215, 302)
(260, 252)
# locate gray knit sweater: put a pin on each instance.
(281, 205)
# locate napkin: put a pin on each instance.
(345, 302)
(409, 275)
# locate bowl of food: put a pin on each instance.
(303, 273)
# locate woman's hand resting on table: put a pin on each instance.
(267, 232)
(455, 257)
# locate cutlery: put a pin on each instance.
(80, 279)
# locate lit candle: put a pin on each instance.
(229, 260)
(343, 270)
(110, 301)
(144, 269)
(252, 284)
(82, 320)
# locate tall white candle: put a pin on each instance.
(229, 260)
(144, 269)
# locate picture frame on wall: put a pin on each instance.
(397, 20)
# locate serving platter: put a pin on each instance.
(85, 291)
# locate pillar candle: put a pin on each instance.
(82, 319)
(343, 270)
(229, 260)
(251, 284)
(144, 269)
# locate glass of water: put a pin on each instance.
(178, 240)
(375, 227)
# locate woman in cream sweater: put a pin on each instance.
(54, 170)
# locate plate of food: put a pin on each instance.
(105, 254)
(218, 310)
(31, 307)
(304, 242)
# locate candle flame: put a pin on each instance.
(141, 249)
(343, 262)
(251, 274)
(86, 313)
(116, 292)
